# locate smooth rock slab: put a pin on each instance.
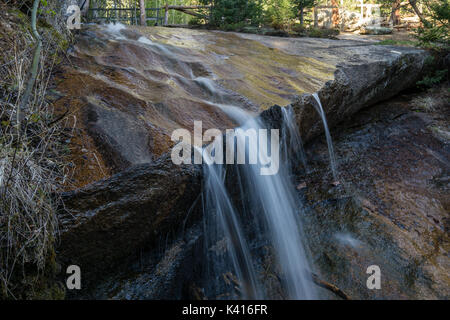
(366, 73)
(156, 80)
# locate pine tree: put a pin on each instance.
(301, 5)
(226, 12)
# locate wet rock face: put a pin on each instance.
(121, 136)
(130, 95)
(158, 274)
(391, 208)
(107, 222)
(363, 82)
(365, 73)
(157, 80)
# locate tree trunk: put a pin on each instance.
(302, 18)
(116, 12)
(85, 8)
(335, 11)
(166, 15)
(395, 13)
(316, 18)
(413, 4)
(143, 12)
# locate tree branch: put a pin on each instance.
(413, 4)
(34, 66)
(330, 287)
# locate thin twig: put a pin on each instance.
(329, 286)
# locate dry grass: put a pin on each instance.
(433, 100)
(31, 160)
(427, 103)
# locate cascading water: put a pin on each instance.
(224, 232)
(251, 221)
(246, 209)
(294, 138)
(321, 112)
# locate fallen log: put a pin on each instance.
(192, 13)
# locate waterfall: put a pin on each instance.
(162, 48)
(209, 85)
(252, 222)
(114, 30)
(244, 209)
(292, 134)
(223, 228)
(321, 112)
